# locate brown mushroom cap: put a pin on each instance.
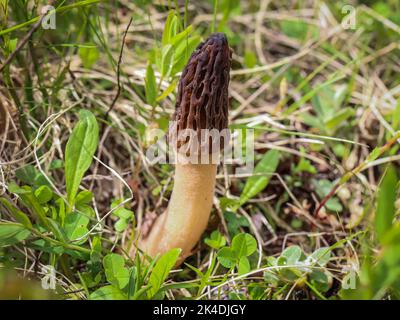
(202, 101)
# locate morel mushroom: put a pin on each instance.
(202, 103)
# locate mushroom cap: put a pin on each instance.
(202, 100)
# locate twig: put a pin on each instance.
(118, 72)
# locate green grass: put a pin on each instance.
(317, 219)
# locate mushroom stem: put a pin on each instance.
(183, 223)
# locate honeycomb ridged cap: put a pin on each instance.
(202, 101)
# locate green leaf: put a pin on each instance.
(244, 245)
(61, 211)
(85, 209)
(319, 280)
(304, 165)
(167, 57)
(235, 222)
(256, 184)
(12, 44)
(56, 229)
(216, 240)
(56, 164)
(76, 225)
(382, 8)
(229, 204)
(108, 293)
(29, 199)
(167, 91)
(374, 154)
(321, 256)
(244, 266)
(396, 117)
(386, 202)
(26, 174)
(182, 52)
(124, 215)
(341, 116)
(14, 188)
(31, 176)
(12, 233)
(121, 225)
(170, 28)
(250, 59)
(181, 37)
(292, 254)
(79, 152)
(89, 55)
(161, 270)
(271, 278)
(22, 218)
(116, 273)
(333, 204)
(328, 103)
(84, 197)
(226, 257)
(96, 249)
(47, 246)
(18, 214)
(43, 194)
(132, 282)
(150, 86)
